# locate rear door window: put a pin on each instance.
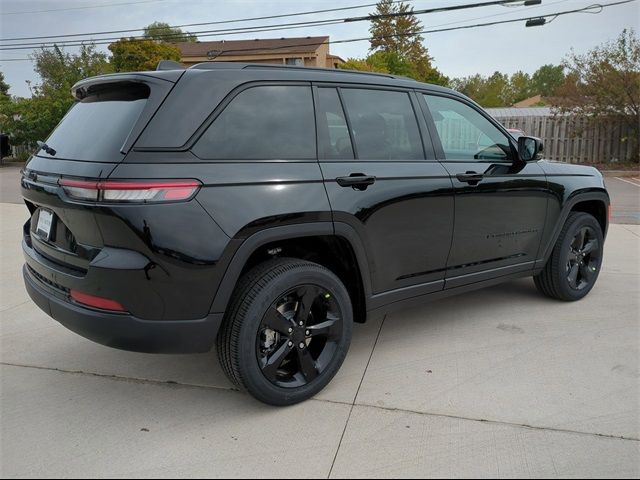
(96, 127)
(384, 124)
(270, 122)
(335, 142)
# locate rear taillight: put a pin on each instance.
(96, 302)
(114, 191)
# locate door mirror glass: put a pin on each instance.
(529, 148)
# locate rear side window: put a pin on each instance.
(96, 127)
(263, 123)
(384, 125)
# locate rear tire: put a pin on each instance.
(262, 347)
(576, 259)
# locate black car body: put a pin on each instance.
(167, 187)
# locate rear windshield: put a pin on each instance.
(96, 127)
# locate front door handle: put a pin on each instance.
(357, 181)
(472, 178)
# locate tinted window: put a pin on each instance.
(465, 134)
(96, 127)
(334, 135)
(384, 125)
(263, 123)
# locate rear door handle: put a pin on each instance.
(472, 178)
(357, 181)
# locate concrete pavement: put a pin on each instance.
(500, 382)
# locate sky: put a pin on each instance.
(507, 48)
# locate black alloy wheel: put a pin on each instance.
(574, 264)
(298, 336)
(584, 258)
(287, 331)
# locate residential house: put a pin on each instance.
(302, 51)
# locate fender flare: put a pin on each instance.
(287, 232)
(576, 197)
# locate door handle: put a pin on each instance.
(357, 181)
(472, 178)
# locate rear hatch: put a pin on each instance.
(95, 135)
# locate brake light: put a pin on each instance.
(130, 191)
(96, 302)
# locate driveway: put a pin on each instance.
(500, 382)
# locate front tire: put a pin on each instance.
(574, 265)
(286, 332)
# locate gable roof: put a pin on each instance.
(252, 47)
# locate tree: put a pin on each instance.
(546, 80)
(31, 119)
(603, 85)
(519, 88)
(493, 91)
(164, 32)
(363, 65)
(397, 44)
(131, 55)
(4, 87)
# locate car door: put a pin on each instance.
(500, 202)
(380, 182)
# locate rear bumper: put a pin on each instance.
(125, 331)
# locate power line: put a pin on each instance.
(428, 31)
(219, 22)
(80, 8)
(261, 28)
(218, 32)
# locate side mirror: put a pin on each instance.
(529, 148)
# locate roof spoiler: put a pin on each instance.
(169, 65)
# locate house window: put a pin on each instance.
(298, 62)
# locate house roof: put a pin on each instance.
(252, 47)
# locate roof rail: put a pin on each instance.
(269, 66)
(169, 65)
(318, 69)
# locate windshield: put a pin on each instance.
(96, 127)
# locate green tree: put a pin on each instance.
(397, 43)
(31, 119)
(546, 80)
(493, 91)
(603, 85)
(164, 32)
(519, 88)
(4, 87)
(131, 55)
(364, 65)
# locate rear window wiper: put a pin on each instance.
(46, 148)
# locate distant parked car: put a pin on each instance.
(5, 148)
(516, 133)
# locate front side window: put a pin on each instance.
(464, 133)
(263, 123)
(384, 124)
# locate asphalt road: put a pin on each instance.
(500, 382)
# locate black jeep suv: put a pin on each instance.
(271, 207)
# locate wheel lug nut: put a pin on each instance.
(301, 323)
(291, 344)
(301, 345)
(307, 333)
(290, 329)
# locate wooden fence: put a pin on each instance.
(569, 139)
